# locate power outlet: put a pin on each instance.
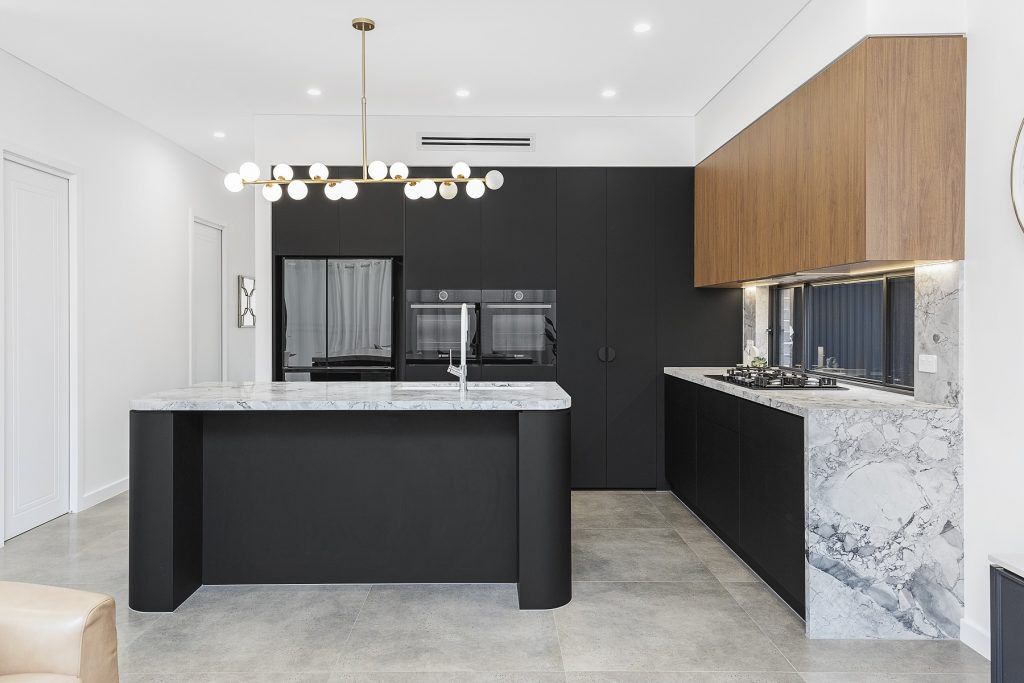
(928, 363)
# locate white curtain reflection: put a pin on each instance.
(359, 305)
(305, 312)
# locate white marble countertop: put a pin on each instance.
(1011, 562)
(358, 396)
(802, 401)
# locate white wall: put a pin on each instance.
(994, 280)
(817, 36)
(135, 190)
(560, 141)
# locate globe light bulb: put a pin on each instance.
(297, 189)
(283, 172)
(233, 182)
(412, 191)
(461, 170)
(319, 171)
(332, 191)
(494, 180)
(399, 171)
(428, 189)
(448, 190)
(272, 192)
(475, 188)
(249, 172)
(349, 189)
(378, 170)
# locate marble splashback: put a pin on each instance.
(937, 325)
(884, 524)
(755, 318)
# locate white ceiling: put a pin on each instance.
(191, 67)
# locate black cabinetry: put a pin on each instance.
(518, 231)
(582, 317)
(606, 325)
(771, 496)
(442, 239)
(1007, 617)
(627, 308)
(739, 466)
(305, 227)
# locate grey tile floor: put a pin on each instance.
(657, 598)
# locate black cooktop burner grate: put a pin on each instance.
(775, 378)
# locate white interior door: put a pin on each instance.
(36, 413)
(207, 303)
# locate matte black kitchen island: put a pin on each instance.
(350, 482)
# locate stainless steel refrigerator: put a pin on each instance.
(337, 319)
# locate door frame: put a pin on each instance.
(69, 172)
(224, 291)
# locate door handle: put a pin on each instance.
(602, 354)
(611, 354)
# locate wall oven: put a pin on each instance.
(433, 325)
(518, 328)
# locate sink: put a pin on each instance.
(453, 386)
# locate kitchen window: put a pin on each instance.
(859, 329)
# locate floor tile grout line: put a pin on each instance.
(558, 641)
(351, 629)
(760, 629)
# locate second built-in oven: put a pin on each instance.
(517, 328)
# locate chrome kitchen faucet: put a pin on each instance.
(462, 372)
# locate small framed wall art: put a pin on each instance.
(246, 286)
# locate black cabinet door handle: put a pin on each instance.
(602, 354)
(611, 354)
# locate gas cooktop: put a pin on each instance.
(775, 378)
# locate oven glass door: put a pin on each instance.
(519, 334)
(433, 331)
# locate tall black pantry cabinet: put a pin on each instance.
(626, 309)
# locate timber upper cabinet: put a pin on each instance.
(863, 164)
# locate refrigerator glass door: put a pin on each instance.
(305, 313)
(359, 313)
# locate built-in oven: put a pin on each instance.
(517, 329)
(433, 324)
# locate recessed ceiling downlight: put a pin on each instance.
(642, 27)
(462, 92)
(314, 92)
(608, 92)
(219, 134)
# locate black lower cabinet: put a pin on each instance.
(681, 439)
(771, 497)
(718, 471)
(1007, 615)
(739, 466)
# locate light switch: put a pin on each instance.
(927, 363)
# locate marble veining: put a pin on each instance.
(937, 331)
(884, 509)
(358, 396)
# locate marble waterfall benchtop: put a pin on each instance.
(358, 396)
(883, 508)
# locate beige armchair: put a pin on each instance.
(56, 634)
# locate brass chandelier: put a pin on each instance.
(373, 172)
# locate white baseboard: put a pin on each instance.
(976, 638)
(101, 494)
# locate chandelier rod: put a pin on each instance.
(362, 26)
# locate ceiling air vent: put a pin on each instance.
(450, 141)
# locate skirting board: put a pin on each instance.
(101, 494)
(976, 638)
